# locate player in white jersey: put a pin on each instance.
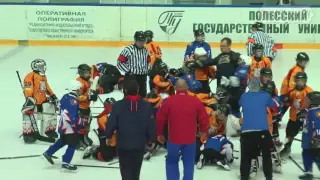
(260, 37)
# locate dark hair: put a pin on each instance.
(229, 41)
(131, 87)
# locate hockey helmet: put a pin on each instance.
(266, 71)
(75, 87)
(258, 25)
(109, 101)
(269, 87)
(153, 98)
(39, 66)
(223, 109)
(300, 85)
(257, 46)
(139, 36)
(148, 34)
(198, 32)
(302, 56)
(314, 98)
(83, 68)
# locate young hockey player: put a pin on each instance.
(294, 100)
(258, 61)
(288, 83)
(161, 81)
(85, 98)
(104, 152)
(110, 77)
(38, 92)
(154, 48)
(68, 127)
(311, 134)
(200, 74)
(259, 36)
(156, 101)
(199, 42)
(217, 149)
(218, 115)
(155, 54)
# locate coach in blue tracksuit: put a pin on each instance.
(134, 122)
(255, 129)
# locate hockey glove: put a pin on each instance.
(228, 152)
(93, 97)
(225, 81)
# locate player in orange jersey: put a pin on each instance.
(104, 152)
(258, 61)
(294, 99)
(161, 81)
(288, 83)
(85, 98)
(155, 54)
(40, 99)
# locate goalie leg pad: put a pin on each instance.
(29, 135)
(49, 123)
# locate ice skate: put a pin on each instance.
(254, 168)
(201, 162)
(224, 164)
(88, 152)
(306, 177)
(285, 152)
(69, 166)
(48, 158)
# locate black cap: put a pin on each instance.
(130, 86)
(139, 36)
(302, 56)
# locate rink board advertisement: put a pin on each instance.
(169, 24)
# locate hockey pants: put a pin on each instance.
(188, 152)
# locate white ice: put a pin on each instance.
(59, 60)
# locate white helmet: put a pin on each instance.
(75, 86)
(200, 51)
(245, 60)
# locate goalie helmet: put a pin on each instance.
(148, 34)
(39, 66)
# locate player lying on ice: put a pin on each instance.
(216, 149)
(104, 151)
(109, 77)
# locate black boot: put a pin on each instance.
(306, 177)
(48, 158)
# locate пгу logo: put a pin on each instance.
(170, 20)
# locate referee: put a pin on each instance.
(259, 37)
(134, 62)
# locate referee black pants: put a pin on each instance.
(130, 163)
(142, 81)
(252, 143)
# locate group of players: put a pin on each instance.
(198, 71)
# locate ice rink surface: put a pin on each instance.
(59, 60)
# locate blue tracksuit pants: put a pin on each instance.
(188, 152)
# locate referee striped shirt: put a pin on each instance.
(260, 37)
(134, 60)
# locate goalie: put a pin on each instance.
(39, 98)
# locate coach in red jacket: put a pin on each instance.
(181, 112)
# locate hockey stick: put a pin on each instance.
(297, 139)
(73, 67)
(21, 157)
(295, 162)
(93, 166)
(114, 162)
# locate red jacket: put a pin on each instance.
(182, 112)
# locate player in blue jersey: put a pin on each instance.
(197, 43)
(311, 134)
(68, 127)
(216, 149)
